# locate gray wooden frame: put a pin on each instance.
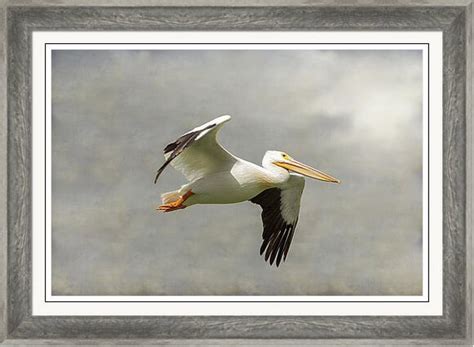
(18, 326)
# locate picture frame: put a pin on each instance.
(18, 325)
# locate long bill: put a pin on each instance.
(306, 170)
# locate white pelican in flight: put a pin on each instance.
(218, 177)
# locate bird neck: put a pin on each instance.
(276, 174)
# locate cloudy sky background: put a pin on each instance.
(354, 114)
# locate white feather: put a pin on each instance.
(205, 156)
(291, 193)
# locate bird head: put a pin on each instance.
(283, 160)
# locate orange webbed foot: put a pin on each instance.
(175, 205)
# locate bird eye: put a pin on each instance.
(284, 155)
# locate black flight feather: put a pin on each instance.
(178, 146)
(277, 232)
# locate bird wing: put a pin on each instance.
(280, 209)
(197, 153)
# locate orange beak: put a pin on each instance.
(306, 170)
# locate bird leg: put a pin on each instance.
(177, 204)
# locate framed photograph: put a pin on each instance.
(237, 174)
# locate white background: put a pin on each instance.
(326, 305)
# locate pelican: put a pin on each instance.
(215, 176)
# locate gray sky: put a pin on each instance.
(354, 114)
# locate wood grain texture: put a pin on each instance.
(19, 175)
(454, 169)
(237, 3)
(235, 342)
(241, 18)
(23, 20)
(469, 167)
(3, 178)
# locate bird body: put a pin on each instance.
(241, 183)
(215, 176)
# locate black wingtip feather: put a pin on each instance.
(178, 146)
(277, 233)
(170, 147)
(282, 244)
(158, 173)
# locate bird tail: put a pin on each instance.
(168, 197)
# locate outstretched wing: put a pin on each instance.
(280, 209)
(197, 153)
